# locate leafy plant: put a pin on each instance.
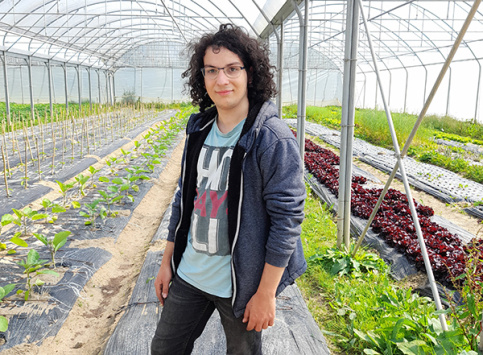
(25, 219)
(54, 210)
(93, 211)
(82, 183)
(53, 244)
(32, 264)
(5, 290)
(341, 262)
(64, 188)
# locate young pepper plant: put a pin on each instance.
(53, 244)
(5, 290)
(32, 264)
(25, 218)
(93, 211)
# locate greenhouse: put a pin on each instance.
(384, 99)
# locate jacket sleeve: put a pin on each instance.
(284, 195)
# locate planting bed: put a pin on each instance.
(392, 231)
(441, 183)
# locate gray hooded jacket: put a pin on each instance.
(266, 195)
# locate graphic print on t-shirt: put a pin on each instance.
(209, 219)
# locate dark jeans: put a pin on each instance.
(184, 316)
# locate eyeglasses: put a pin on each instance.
(231, 72)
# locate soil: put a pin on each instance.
(100, 304)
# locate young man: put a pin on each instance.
(234, 235)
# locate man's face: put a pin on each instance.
(226, 93)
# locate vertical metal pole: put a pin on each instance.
(7, 97)
(65, 88)
(49, 73)
(114, 90)
(449, 91)
(347, 123)
(90, 87)
(302, 82)
(280, 71)
(79, 88)
(107, 88)
(406, 89)
(31, 87)
(99, 85)
(476, 119)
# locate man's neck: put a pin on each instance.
(227, 120)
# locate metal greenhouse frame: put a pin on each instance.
(93, 50)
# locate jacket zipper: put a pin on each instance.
(233, 274)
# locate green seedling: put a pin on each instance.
(82, 183)
(3, 292)
(128, 183)
(64, 188)
(25, 219)
(110, 198)
(93, 172)
(152, 160)
(93, 211)
(32, 264)
(54, 210)
(25, 181)
(55, 243)
(6, 219)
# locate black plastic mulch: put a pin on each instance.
(475, 211)
(38, 320)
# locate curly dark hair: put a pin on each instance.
(253, 54)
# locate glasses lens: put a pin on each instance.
(232, 72)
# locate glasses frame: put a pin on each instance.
(219, 69)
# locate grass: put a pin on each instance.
(371, 126)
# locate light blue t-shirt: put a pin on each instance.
(206, 262)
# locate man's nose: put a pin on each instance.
(222, 78)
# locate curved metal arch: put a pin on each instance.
(75, 10)
(141, 43)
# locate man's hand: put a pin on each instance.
(161, 284)
(260, 312)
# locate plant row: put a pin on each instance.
(118, 184)
(371, 125)
(34, 151)
(393, 221)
